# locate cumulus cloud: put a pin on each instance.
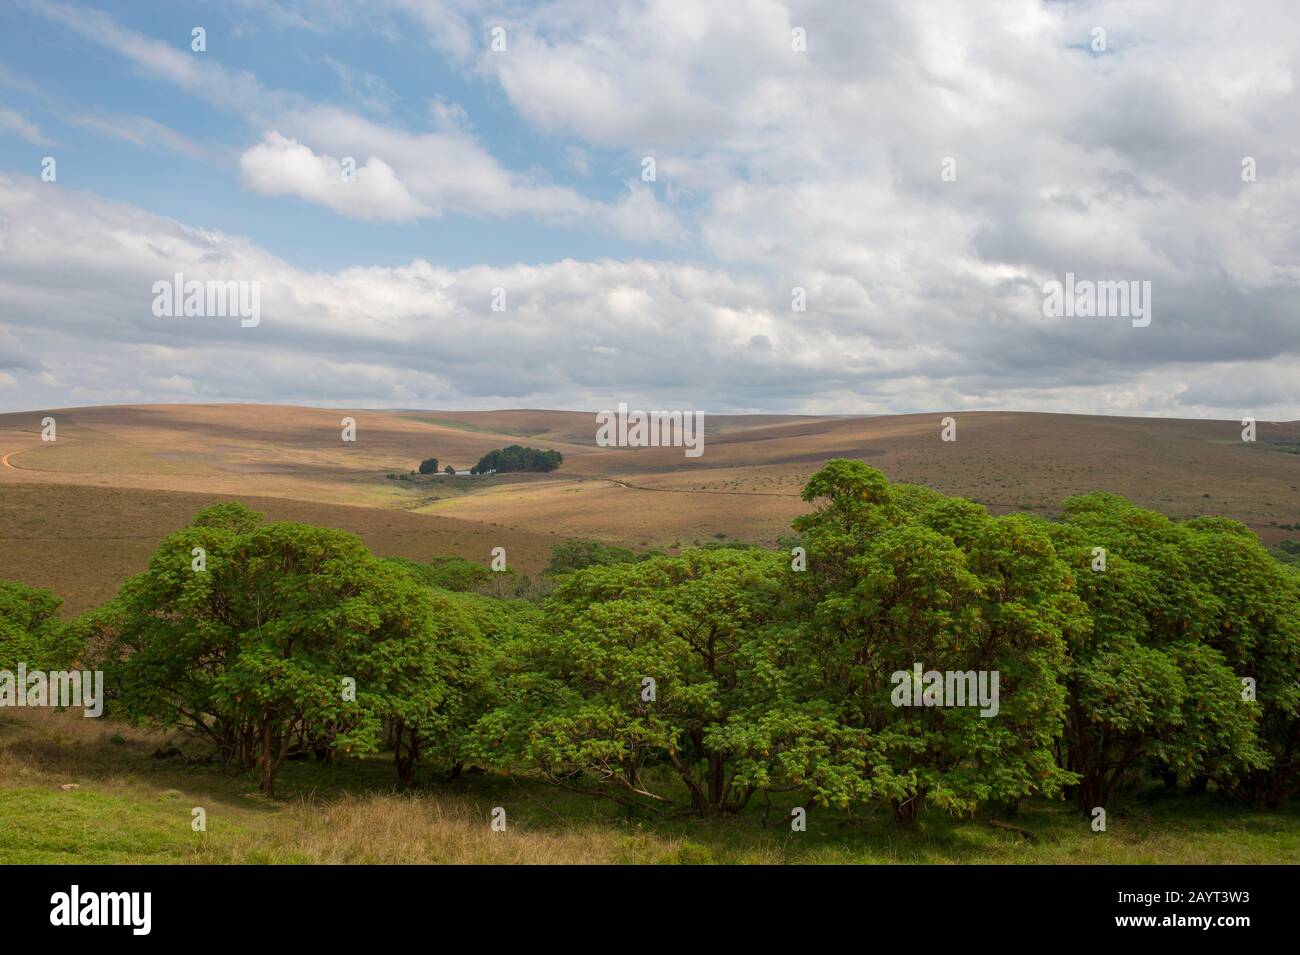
(75, 296)
(407, 174)
(778, 169)
(282, 166)
(446, 170)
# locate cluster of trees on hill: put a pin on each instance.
(518, 458)
(503, 460)
(1125, 644)
(430, 466)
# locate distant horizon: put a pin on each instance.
(594, 411)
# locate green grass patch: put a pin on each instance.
(133, 808)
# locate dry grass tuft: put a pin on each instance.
(421, 829)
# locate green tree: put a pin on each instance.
(1255, 625)
(899, 577)
(29, 625)
(459, 680)
(432, 705)
(518, 458)
(1148, 679)
(259, 650)
(650, 664)
(429, 466)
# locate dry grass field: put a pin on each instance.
(81, 542)
(80, 513)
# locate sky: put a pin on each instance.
(745, 206)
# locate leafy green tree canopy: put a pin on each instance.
(29, 624)
(283, 638)
(518, 458)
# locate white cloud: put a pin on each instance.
(446, 170)
(411, 174)
(640, 216)
(202, 76)
(75, 306)
(14, 122)
(141, 131)
(777, 169)
(282, 166)
(366, 89)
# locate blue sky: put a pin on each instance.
(75, 77)
(912, 175)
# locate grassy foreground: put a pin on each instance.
(129, 807)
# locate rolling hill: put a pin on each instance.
(79, 513)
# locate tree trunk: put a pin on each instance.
(907, 810)
(698, 800)
(407, 752)
(268, 763)
(1277, 790)
(716, 781)
(1093, 792)
(264, 761)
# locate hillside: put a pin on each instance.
(119, 478)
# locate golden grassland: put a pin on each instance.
(128, 806)
(80, 513)
(82, 542)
